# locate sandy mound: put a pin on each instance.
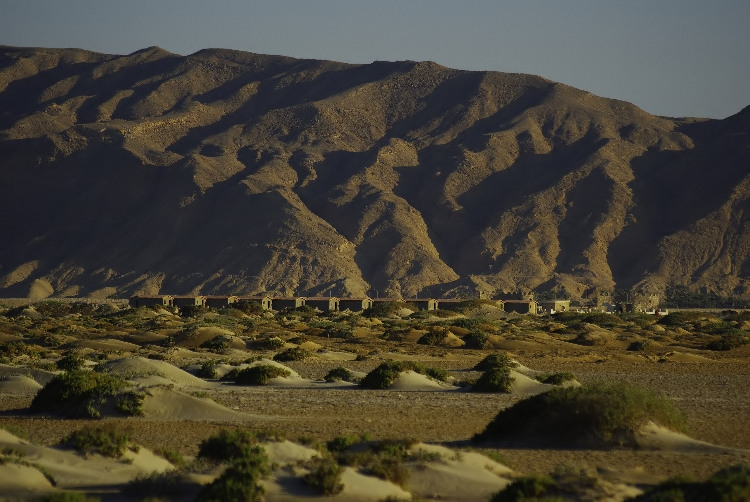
(336, 356)
(166, 404)
(71, 470)
(42, 377)
(411, 380)
(106, 344)
(288, 453)
(196, 338)
(19, 482)
(358, 487)
(19, 384)
(140, 367)
(449, 478)
(655, 437)
(523, 384)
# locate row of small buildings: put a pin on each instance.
(525, 306)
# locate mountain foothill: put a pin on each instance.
(228, 172)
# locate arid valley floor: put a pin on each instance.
(174, 363)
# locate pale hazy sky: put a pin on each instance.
(670, 57)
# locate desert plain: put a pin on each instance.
(179, 367)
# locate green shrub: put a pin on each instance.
(384, 375)
(105, 441)
(77, 393)
(556, 378)
(343, 331)
(70, 361)
(217, 344)
(341, 443)
(227, 445)
(527, 488)
(231, 375)
(241, 480)
(192, 310)
(324, 476)
(597, 414)
(728, 341)
(497, 379)
(293, 354)
(208, 370)
(434, 336)
(727, 485)
(250, 307)
(476, 340)
(383, 309)
(496, 360)
(157, 486)
(340, 374)
(130, 403)
(638, 345)
(271, 343)
(260, 374)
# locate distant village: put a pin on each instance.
(521, 303)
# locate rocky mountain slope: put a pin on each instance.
(233, 172)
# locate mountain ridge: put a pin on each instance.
(232, 172)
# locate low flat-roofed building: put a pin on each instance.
(423, 304)
(189, 301)
(287, 302)
(521, 306)
(325, 304)
(554, 306)
(355, 304)
(147, 301)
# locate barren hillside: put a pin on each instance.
(232, 172)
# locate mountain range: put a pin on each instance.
(228, 172)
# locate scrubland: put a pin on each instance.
(114, 403)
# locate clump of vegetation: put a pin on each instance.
(562, 484)
(260, 374)
(384, 375)
(343, 331)
(340, 374)
(248, 464)
(496, 360)
(638, 345)
(383, 309)
(249, 307)
(70, 361)
(384, 459)
(167, 485)
(497, 379)
(727, 485)
(527, 488)
(106, 441)
(78, 393)
(476, 339)
(208, 370)
(271, 343)
(241, 479)
(556, 378)
(324, 476)
(729, 341)
(293, 354)
(227, 444)
(130, 403)
(496, 376)
(595, 414)
(219, 344)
